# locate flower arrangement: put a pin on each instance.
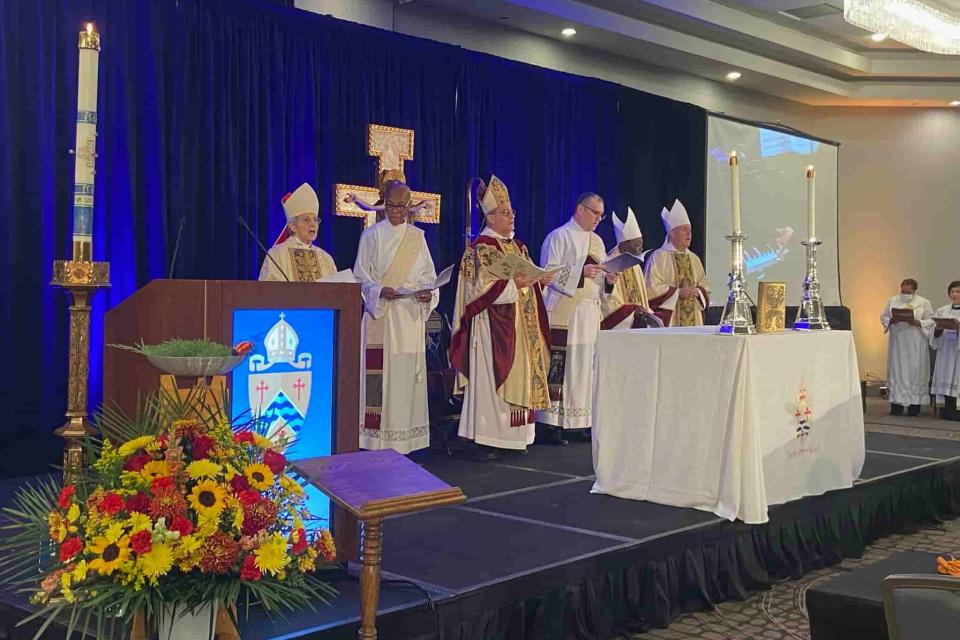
(191, 511)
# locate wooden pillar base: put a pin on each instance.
(372, 545)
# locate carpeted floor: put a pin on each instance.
(780, 613)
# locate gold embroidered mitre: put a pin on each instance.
(495, 196)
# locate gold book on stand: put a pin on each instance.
(771, 307)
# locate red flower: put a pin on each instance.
(219, 553)
(137, 462)
(239, 483)
(70, 547)
(249, 497)
(65, 494)
(160, 485)
(141, 542)
(301, 544)
(243, 436)
(202, 446)
(139, 503)
(249, 570)
(181, 525)
(258, 516)
(276, 461)
(111, 504)
(168, 505)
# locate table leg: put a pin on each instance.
(371, 545)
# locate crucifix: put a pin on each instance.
(392, 147)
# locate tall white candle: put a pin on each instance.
(811, 192)
(86, 144)
(735, 191)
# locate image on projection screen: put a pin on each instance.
(773, 208)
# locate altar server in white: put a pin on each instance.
(573, 305)
(946, 371)
(676, 282)
(396, 273)
(294, 257)
(908, 355)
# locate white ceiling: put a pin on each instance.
(818, 61)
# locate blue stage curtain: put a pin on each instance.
(213, 109)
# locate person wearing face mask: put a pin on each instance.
(676, 282)
(946, 372)
(908, 356)
(293, 256)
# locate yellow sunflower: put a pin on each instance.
(156, 562)
(259, 476)
(155, 469)
(135, 445)
(111, 551)
(263, 442)
(271, 555)
(203, 469)
(207, 498)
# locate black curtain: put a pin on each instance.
(213, 109)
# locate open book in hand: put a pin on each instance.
(442, 279)
(510, 265)
(947, 324)
(901, 315)
(622, 262)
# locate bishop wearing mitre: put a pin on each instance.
(294, 257)
(676, 282)
(500, 344)
(396, 276)
(627, 306)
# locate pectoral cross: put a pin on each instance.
(392, 147)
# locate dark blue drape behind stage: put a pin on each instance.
(210, 109)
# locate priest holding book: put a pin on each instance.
(627, 305)
(907, 318)
(500, 345)
(946, 371)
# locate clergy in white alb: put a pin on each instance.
(627, 305)
(500, 344)
(906, 317)
(946, 370)
(573, 305)
(294, 257)
(396, 275)
(676, 282)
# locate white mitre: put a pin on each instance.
(626, 230)
(303, 200)
(676, 217)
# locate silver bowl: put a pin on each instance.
(196, 366)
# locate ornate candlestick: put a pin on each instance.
(737, 318)
(80, 275)
(811, 316)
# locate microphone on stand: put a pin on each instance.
(176, 246)
(243, 223)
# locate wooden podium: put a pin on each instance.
(373, 485)
(166, 309)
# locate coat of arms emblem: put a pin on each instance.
(803, 413)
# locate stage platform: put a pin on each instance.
(532, 554)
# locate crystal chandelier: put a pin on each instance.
(911, 22)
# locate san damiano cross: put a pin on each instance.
(392, 147)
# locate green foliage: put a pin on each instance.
(177, 348)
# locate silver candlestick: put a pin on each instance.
(811, 316)
(737, 318)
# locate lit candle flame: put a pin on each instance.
(89, 27)
(733, 158)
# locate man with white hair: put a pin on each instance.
(676, 282)
(627, 305)
(294, 257)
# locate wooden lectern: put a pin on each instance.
(166, 309)
(373, 485)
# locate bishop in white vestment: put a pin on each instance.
(397, 275)
(294, 257)
(573, 304)
(500, 345)
(908, 354)
(676, 282)
(627, 306)
(946, 371)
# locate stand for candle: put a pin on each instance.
(811, 315)
(737, 318)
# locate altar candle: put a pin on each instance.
(811, 217)
(735, 191)
(86, 144)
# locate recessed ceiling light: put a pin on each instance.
(568, 32)
(955, 103)
(878, 37)
(734, 75)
